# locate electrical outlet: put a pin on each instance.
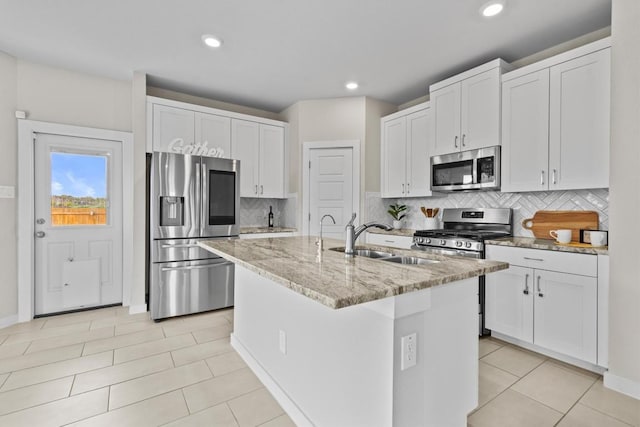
(409, 351)
(283, 342)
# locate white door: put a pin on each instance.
(445, 128)
(480, 111)
(214, 132)
(330, 190)
(245, 141)
(418, 170)
(78, 223)
(525, 133)
(271, 170)
(509, 302)
(172, 128)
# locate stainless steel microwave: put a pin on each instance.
(467, 170)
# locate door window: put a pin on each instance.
(79, 190)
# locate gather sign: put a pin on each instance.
(196, 149)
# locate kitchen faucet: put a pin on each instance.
(353, 233)
(319, 242)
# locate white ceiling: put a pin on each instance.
(277, 52)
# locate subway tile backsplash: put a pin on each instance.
(254, 212)
(524, 205)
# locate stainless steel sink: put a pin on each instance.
(368, 253)
(411, 260)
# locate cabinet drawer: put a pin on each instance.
(401, 242)
(572, 263)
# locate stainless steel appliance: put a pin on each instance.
(466, 170)
(463, 234)
(191, 198)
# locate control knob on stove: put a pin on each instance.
(468, 244)
(459, 244)
(443, 242)
(427, 241)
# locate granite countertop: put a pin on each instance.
(400, 232)
(257, 230)
(337, 281)
(549, 245)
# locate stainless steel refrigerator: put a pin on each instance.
(190, 198)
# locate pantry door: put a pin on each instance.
(333, 190)
(78, 222)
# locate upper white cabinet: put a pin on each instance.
(259, 143)
(466, 109)
(177, 130)
(261, 151)
(555, 122)
(404, 153)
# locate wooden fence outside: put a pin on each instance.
(78, 216)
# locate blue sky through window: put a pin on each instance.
(78, 175)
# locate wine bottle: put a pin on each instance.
(270, 217)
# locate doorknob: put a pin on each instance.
(40, 234)
(40, 221)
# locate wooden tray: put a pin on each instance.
(545, 221)
(580, 245)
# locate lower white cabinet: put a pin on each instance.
(555, 310)
(400, 242)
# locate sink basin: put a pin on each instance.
(368, 253)
(411, 260)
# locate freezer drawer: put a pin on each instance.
(186, 287)
(172, 250)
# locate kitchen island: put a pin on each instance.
(325, 333)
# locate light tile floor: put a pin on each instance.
(106, 367)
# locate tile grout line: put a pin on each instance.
(599, 411)
(576, 402)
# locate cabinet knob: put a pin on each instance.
(463, 137)
(402, 188)
(554, 177)
(541, 177)
(408, 188)
(455, 141)
(540, 294)
(256, 190)
(526, 285)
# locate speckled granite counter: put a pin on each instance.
(401, 232)
(336, 281)
(258, 230)
(549, 245)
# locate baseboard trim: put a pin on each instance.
(135, 309)
(294, 412)
(622, 385)
(8, 320)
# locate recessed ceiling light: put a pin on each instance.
(211, 41)
(492, 8)
(351, 85)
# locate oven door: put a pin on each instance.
(220, 207)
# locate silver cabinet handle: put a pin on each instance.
(40, 234)
(408, 188)
(554, 177)
(463, 137)
(533, 259)
(540, 294)
(541, 177)
(262, 189)
(455, 141)
(256, 190)
(389, 241)
(402, 188)
(526, 285)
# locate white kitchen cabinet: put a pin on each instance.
(555, 122)
(554, 310)
(179, 130)
(400, 242)
(261, 151)
(466, 110)
(404, 153)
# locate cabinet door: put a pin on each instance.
(214, 133)
(418, 176)
(480, 110)
(393, 161)
(579, 122)
(509, 302)
(245, 143)
(172, 128)
(525, 133)
(445, 127)
(565, 317)
(271, 170)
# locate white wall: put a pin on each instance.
(53, 95)
(8, 176)
(624, 322)
(374, 111)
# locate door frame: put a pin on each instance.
(26, 209)
(306, 155)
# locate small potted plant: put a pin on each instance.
(397, 212)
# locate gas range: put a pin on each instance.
(464, 231)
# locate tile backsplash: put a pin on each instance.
(524, 205)
(254, 212)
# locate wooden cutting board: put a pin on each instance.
(545, 221)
